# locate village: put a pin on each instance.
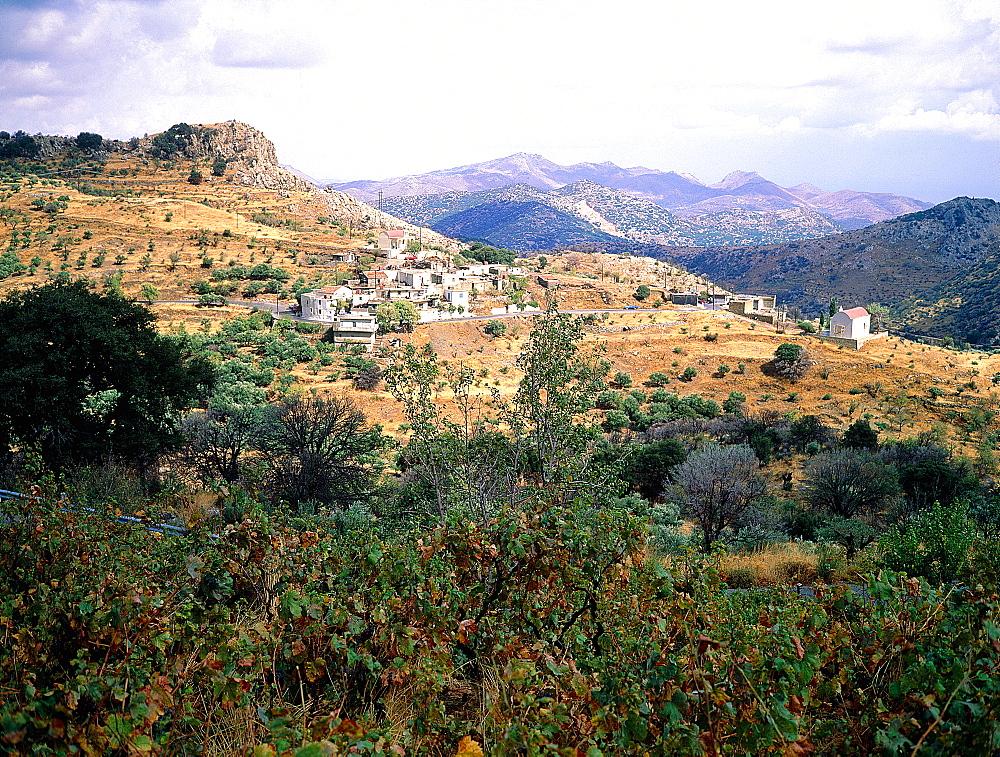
(437, 289)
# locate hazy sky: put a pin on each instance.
(880, 95)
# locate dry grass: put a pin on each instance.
(774, 565)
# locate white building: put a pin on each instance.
(458, 298)
(855, 323)
(392, 242)
(353, 328)
(325, 303)
(418, 278)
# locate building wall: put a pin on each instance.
(842, 325)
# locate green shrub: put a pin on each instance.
(936, 546)
(609, 400)
(616, 420)
(496, 327)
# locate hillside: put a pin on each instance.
(681, 193)
(933, 265)
(137, 221)
(510, 543)
(528, 226)
(133, 212)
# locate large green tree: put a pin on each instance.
(398, 315)
(86, 376)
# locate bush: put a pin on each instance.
(368, 379)
(689, 374)
(791, 361)
(733, 404)
(658, 379)
(615, 420)
(496, 327)
(622, 379)
(936, 546)
(860, 435)
(86, 140)
(609, 400)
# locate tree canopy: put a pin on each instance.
(88, 140)
(398, 315)
(86, 375)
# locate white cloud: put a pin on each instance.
(350, 88)
(239, 49)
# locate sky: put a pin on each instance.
(895, 96)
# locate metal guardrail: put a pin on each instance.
(160, 528)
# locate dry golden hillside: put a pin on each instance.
(159, 229)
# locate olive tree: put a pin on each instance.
(717, 486)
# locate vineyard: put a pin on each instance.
(547, 630)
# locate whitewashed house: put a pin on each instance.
(353, 328)
(458, 298)
(855, 323)
(851, 328)
(325, 303)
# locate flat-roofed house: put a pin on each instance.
(325, 303)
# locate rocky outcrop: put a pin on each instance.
(250, 157)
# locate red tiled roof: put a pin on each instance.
(396, 233)
(855, 313)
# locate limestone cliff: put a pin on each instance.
(250, 156)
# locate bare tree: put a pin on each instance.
(718, 485)
(219, 441)
(850, 482)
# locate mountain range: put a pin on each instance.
(588, 214)
(681, 193)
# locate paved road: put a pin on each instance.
(277, 309)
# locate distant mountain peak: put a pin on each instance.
(737, 179)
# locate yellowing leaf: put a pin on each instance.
(467, 747)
